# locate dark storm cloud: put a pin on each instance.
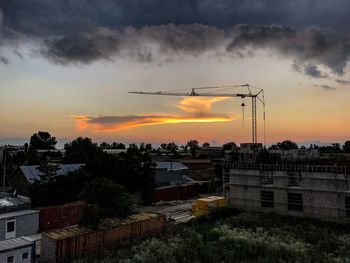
(313, 71)
(308, 46)
(313, 33)
(310, 70)
(144, 44)
(44, 17)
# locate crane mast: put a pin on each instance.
(194, 92)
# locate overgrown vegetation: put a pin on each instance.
(233, 236)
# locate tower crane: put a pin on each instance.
(197, 92)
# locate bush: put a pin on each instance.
(111, 199)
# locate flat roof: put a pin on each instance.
(9, 201)
(14, 243)
(18, 213)
(74, 231)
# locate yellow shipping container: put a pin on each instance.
(204, 206)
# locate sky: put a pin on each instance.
(66, 67)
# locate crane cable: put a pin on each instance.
(264, 118)
(243, 114)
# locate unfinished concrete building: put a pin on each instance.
(318, 191)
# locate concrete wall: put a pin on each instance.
(323, 193)
(26, 225)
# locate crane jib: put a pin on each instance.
(249, 94)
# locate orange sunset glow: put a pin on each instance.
(196, 110)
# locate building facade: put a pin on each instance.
(17, 250)
(318, 191)
(18, 224)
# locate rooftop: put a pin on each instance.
(18, 213)
(32, 173)
(13, 243)
(11, 202)
(170, 166)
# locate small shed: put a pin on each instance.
(19, 223)
(18, 249)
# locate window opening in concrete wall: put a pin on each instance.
(267, 199)
(347, 206)
(295, 202)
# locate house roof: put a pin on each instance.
(32, 173)
(18, 213)
(14, 243)
(170, 166)
(8, 201)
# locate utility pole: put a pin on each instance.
(4, 168)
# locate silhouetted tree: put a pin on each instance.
(56, 190)
(346, 147)
(172, 147)
(145, 147)
(42, 141)
(48, 171)
(285, 145)
(111, 199)
(80, 150)
(193, 145)
(104, 146)
(206, 144)
(118, 145)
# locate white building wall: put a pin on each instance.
(17, 253)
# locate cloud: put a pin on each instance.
(324, 86)
(199, 106)
(118, 123)
(343, 82)
(309, 48)
(197, 110)
(4, 60)
(51, 18)
(82, 32)
(142, 44)
(310, 70)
